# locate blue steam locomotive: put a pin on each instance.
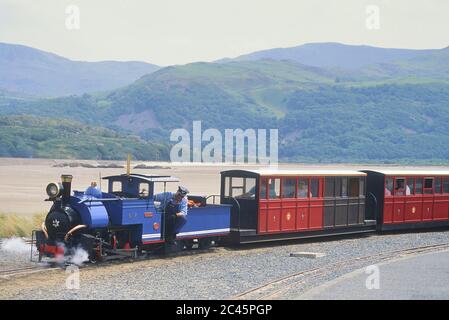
(125, 221)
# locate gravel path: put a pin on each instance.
(219, 274)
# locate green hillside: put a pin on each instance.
(36, 137)
(324, 115)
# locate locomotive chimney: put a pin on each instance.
(67, 188)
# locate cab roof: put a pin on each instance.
(300, 172)
(411, 172)
(143, 178)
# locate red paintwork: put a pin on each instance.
(399, 209)
(316, 214)
(441, 207)
(49, 249)
(302, 214)
(416, 207)
(288, 218)
(413, 209)
(388, 209)
(291, 214)
(274, 215)
(153, 241)
(427, 207)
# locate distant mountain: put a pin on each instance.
(333, 55)
(393, 112)
(27, 70)
(432, 65)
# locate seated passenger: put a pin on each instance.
(399, 190)
(93, 191)
(303, 191)
(407, 191)
(389, 187)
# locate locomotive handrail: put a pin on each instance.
(373, 196)
(238, 207)
(213, 197)
(107, 199)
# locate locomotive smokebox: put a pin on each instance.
(67, 188)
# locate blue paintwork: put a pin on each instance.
(93, 214)
(141, 216)
(208, 220)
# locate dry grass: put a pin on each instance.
(20, 226)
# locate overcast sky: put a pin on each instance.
(168, 32)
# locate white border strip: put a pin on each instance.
(151, 235)
(203, 232)
(158, 235)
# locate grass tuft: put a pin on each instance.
(20, 226)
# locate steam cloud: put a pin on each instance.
(15, 245)
(79, 256)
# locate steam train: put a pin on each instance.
(254, 206)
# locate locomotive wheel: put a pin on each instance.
(204, 243)
(188, 244)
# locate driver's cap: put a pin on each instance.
(182, 190)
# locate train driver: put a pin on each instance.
(93, 190)
(175, 205)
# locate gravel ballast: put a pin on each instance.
(218, 274)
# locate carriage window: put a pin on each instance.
(246, 191)
(418, 189)
(437, 185)
(446, 185)
(274, 185)
(227, 190)
(237, 187)
(329, 187)
(303, 188)
(250, 188)
(362, 187)
(314, 188)
(337, 187)
(288, 187)
(399, 188)
(428, 185)
(263, 188)
(410, 186)
(353, 187)
(243, 188)
(389, 186)
(117, 186)
(144, 190)
(344, 187)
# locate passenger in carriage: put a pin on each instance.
(399, 190)
(389, 187)
(303, 189)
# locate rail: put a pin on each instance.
(278, 288)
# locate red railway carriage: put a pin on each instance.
(408, 199)
(287, 204)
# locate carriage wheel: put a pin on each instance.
(204, 243)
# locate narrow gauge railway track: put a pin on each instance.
(7, 274)
(277, 289)
(21, 271)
